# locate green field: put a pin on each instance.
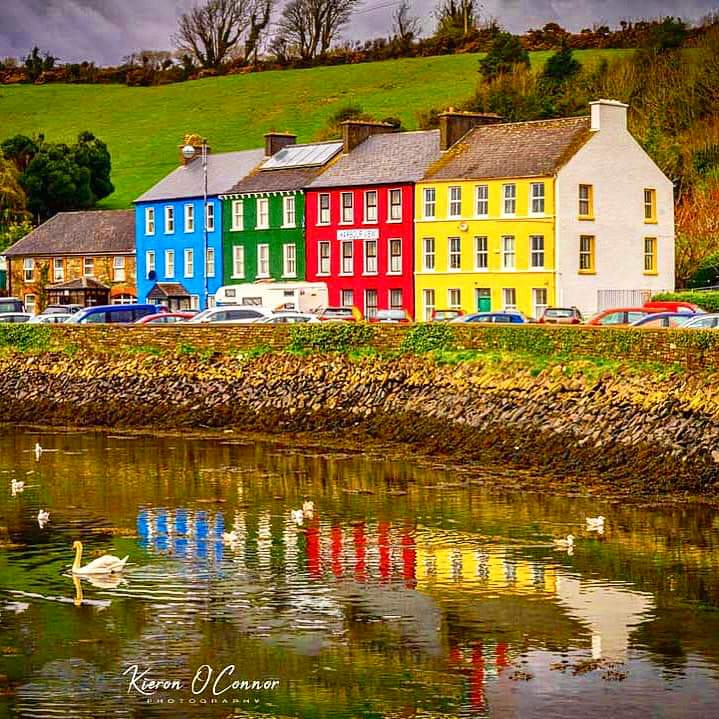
(144, 126)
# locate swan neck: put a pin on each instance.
(78, 556)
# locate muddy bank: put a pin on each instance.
(637, 432)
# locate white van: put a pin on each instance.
(277, 296)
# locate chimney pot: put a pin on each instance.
(355, 132)
(454, 124)
(608, 115)
(276, 141)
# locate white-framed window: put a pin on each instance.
(539, 301)
(288, 211)
(395, 206)
(429, 303)
(118, 268)
(169, 219)
(455, 253)
(30, 301)
(263, 213)
(430, 203)
(395, 256)
(428, 253)
(370, 257)
(509, 298)
(455, 201)
(289, 259)
(323, 208)
(396, 301)
(323, 258)
(210, 262)
(481, 253)
(149, 220)
(482, 197)
(210, 216)
(263, 260)
(28, 269)
(347, 257)
(370, 206)
(238, 261)
(169, 263)
(347, 298)
(454, 298)
(508, 252)
(537, 198)
(238, 215)
(58, 269)
(150, 261)
(194, 302)
(189, 262)
(370, 304)
(509, 194)
(347, 205)
(189, 217)
(536, 246)
(88, 266)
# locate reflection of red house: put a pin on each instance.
(360, 217)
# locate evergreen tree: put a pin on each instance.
(506, 52)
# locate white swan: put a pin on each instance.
(38, 450)
(16, 486)
(107, 564)
(567, 543)
(308, 506)
(595, 523)
(297, 516)
(43, 516)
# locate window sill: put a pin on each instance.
(236, 229)
(394, 274)
(237, 277)
(586, 272)
(585, 218)
(481, 269)
(346, 274)
(288, 227)
(369, 222)
(323, 274)
(651, 222)
(293, 276)
(394, 222)
(263, 227)
(653, 273)
(370, 274)
(323, 224)
(262, 277)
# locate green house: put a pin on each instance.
(263, 215)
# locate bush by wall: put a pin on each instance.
(708, 300)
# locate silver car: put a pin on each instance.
(702, 322)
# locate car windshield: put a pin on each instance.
(559, 313)
(200, 316)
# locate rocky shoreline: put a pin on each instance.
(637, 433)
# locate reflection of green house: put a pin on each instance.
(263, 214)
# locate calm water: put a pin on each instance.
(412, 590)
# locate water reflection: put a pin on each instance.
(387, 597)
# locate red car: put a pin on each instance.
(621, 316)
(673, 306)
(165, 318)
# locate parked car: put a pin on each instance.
(59, 309)
(702, 322)
(52, 319)
(673, 306)
(664, 319)
(506, 317)
(346, 314)
(445, 315)
(225, 315)
(393, 317)
(288, 318)
(165, 318)
(15, 317)
(112, 314)
(11, 304)
(561, 316)
(620, 316)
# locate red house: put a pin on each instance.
(359, 222)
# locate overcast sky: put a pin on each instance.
(107, 30)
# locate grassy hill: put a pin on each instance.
(144, 126)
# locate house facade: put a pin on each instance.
(264, 213)
(85, 258)
(529, 215)
(176, 266)
(360, 217)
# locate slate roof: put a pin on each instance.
(94, 232)
(80, 283)
(383, 159)
(162, 290)
(295, 170)
(223, 170)
(518, 149)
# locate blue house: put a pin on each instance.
(170, 235)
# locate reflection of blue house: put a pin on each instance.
(169, 230)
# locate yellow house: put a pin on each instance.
(526, 215)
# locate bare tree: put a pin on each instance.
(405, 26)
(259, 20)
(209, 32)
(310, 26)
(457, 15)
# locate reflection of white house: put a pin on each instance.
(610, 612)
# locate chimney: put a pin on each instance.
(276, 141)
(194, 141)
(355, 132)
(608, 115)
(455, 124)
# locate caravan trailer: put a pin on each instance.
(276, 296)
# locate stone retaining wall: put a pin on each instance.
(649, 433)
